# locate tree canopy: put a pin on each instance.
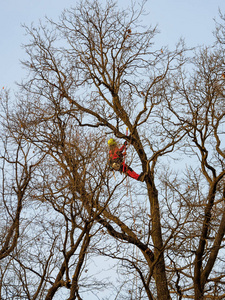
(71, 228)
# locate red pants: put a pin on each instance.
(127, 170)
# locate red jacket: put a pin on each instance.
(117, 155)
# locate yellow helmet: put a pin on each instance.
(111, 142)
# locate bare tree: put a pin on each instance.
(200, 109)
(16, 173)
(93, 74)
(110, 58)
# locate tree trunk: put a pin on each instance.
(159, 268)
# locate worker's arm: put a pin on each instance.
(123, 147)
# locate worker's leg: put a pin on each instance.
(127, 170)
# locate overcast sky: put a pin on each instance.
(190, 19)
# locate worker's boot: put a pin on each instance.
(142, 176)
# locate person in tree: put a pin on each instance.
(117, 160)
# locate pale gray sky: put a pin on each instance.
(190, 19)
